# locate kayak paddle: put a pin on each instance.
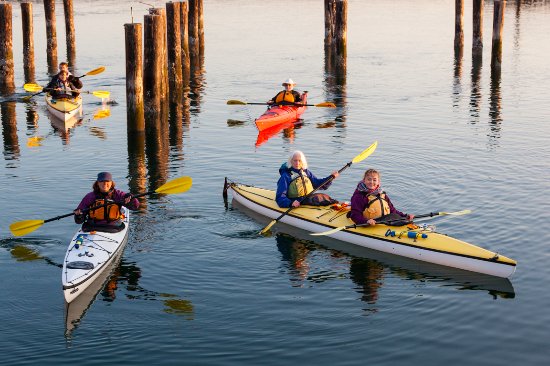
(240, 102)
(177, 185)
(39, 90)
(363, 155)
(431, 214)
(35, 87)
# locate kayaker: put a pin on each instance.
(61, 87)
(289, 96)
(104, 192)
(297, 181)
(73, 79)
(370, 203)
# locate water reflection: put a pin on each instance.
(9, 131)
(495, 106)
(197, 84)
(457, 88)
(475, 95)
(156, 149)
(288, 129)
(32, 118)
(368, 275)
(335, 91)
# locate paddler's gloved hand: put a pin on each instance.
(127, 198)
(79, 217)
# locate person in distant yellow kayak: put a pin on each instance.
(370, 203)
(61, 87)
(296, 182)
(289, 96)
(104, 194)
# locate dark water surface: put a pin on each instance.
(197, 285)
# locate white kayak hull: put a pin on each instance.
(89, 255)
(439, 248)
(64, 109)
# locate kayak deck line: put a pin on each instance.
(417, 244)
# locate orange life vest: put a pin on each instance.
(377, 206)
(285, 96)
(109, 212)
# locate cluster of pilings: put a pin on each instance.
(173, 47)
(6, 44)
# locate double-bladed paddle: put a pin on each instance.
(431, 214)
(177, 185)
(363, 155)
(39, 90)
(324, 104)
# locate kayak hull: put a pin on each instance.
(88, 255)
(435, 248)
(64, 109)
(277, 115)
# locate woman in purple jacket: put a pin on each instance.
(370, 203)
(104, 194)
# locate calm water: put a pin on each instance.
(196, 284)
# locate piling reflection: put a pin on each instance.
(335, 88)
(9, 131)
(197, 84)
(457, 88)
(157, 148)
(32, 118)
(495, 107)
(475, 95)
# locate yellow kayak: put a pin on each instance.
(64, 108)
(418, 242)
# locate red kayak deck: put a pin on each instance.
(280, 114)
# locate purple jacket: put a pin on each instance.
(115, 195)
(359, 202)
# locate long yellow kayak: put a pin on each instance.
(420, 243)
(64, 108)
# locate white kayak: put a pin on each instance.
(89, 254)
(64, 109)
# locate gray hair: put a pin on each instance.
(302, 158)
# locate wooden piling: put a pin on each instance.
(341, 32)
(184, 41)
(330, 12)
(164, 58)
(7, 84)
(477, 23)
(69, 31)
(134, 77)
(459, 24)
(173, 23)
(193, 29)
(28, 41)
(51, 35)
(498, 24)
(152, 74)
(201, 27)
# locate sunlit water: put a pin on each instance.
(197, 285)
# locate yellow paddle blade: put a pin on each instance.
(33, 88)
(101, 93)
(21, 228)
(326, 104)
(328, 232)
(233, 101)
(102, 114)
(99, 70)
(35, 141)
(369, 150)
(178, 185)
(266, 229)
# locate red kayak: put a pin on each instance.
(280, 114)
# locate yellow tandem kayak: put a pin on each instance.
(420, 243)
(64, 108)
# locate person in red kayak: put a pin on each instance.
(370, 203)
(289, 96)
(104, 192)
(297, 181)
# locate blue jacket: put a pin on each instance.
(285, 179)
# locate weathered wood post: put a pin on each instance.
(184, 41)
(152, 74)
(51, 35)
(459, 24)
(9, 129)
(498, 24)
(193, 30)
(341, 33)
(7, 84)
(173, 13)
(477, 22)
(69, 31)
(164, 58)
(201, 27)
(28, 41)
(134, 77)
